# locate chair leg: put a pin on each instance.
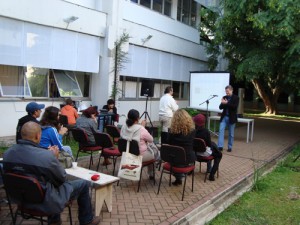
(140, 179)
(114, 165)
(77, 154)
(154, 174)
(193, 180)
(91, 160)
(99, 161)
(160, 181)
(185, 175)
(70, 215)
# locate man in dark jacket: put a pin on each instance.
(27, 157)
(229, 104)
(34, 111)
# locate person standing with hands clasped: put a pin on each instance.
(229, 105)
(167, 106)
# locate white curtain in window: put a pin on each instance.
(23, 44)
(130, 89)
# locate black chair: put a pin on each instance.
(23, 190)
(200, 147)
(114, 132)
(134, 149)
(81, 137)
(174, 155)
(108, 148)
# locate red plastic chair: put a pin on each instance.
(108, 148)
(200, 147)
(81, 137)
(174, 155)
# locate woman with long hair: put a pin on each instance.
(182, 133)
(132, 130)
(52, 130)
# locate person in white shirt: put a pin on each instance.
(167, 106)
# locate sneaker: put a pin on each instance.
(95, 221)
(211, 178)
(220, 149)
(229, 150)
(177, 182)
(106, 162)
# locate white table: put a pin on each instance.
(103, 186)
(250, 125)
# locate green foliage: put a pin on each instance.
(261, 40)
(276, 200)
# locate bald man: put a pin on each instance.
(27, 157)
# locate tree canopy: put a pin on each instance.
(260, 39)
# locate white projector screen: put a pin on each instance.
(205, 85)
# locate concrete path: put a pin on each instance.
(272, 139)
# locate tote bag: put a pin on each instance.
(130, 165)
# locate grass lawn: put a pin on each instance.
(274, 200)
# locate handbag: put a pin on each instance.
(130, 165)
(154, 150)
(65, 159)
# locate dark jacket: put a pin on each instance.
(21, 122)
(204, 134)
(231, 106)
(29, 159)
(185, 141)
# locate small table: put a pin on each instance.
(250, 123)
(103, 186)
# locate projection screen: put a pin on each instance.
(204, 86)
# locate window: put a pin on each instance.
(129, 87)
(187, 12)
(42, 83)
(161, 6)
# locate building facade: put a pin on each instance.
(52, 50)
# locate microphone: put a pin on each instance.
(215, 95)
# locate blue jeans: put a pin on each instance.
(223, 124)
(81, 193)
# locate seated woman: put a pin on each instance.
(69, 111)
(52, 131)
(132, 130)
(88, 122)
(203, 133)
(111, 108)
(182, 133)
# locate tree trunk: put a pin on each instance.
(270, 100)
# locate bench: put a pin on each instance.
(250, 124)
(103, 187)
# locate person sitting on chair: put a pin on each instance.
(52, 131)
(111, 108)
(88, 122)
(69, 111)
(27, 157)
(132, 130)
(203, 133)
(182, 133)
(34, 111)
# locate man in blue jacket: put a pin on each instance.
(229, 104)
(27, 157)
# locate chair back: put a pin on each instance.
(103, 140)
(63, 120)
(199, 145)
(175, 155)
(133, 146)
(113, 131)
(80, 135)
(23, 188)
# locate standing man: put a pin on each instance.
(34, 111)
(229, 104)
(167, 106)
(27, 157)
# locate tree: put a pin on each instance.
(260, 39)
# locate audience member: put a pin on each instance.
(33, 110)
(27, 157)
(167, 106)
(69, 111)
(203, 133)
(52, 131)
(88, 122)
(182, 133)
(111, 108)
(132, 130)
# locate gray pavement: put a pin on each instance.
(272, 140)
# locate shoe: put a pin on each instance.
(151, 177)
(95, 221)
(57, 223)
(229, 150)
(106, 162)
(190, 173)
(177, 182)
(220, 149)
(211, 178)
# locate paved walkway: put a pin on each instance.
(272, 138)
